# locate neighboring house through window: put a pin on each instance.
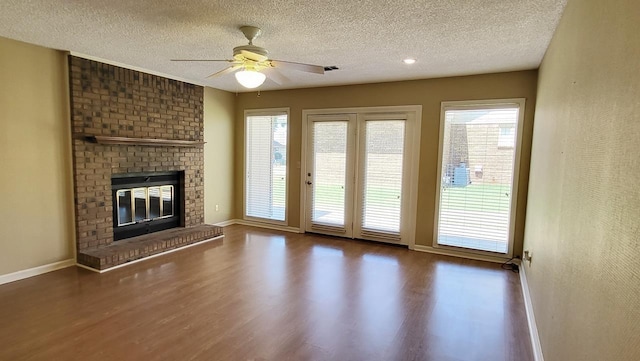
(507, 136)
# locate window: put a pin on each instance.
(266, 164)
(478, 165)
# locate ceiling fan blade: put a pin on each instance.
(253, 56)
(298, 66)
(225, 60)
(275, 76)
(225, 71)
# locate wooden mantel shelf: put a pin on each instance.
(101, 139)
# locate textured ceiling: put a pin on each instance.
(366, 39)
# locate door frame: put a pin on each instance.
(350, 171)
(481, 104)
(412, 143)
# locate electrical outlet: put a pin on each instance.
(217, 208)
(527, 257)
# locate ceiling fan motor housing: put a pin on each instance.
(250, 48)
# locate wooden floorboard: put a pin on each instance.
(268, 295)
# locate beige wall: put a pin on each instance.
(429, 94)
(36, 219)
(218, 155)
(583, 218)
(36, 212)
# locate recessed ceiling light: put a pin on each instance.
(409, 61)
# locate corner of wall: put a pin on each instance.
(34, 149)
(219, 153)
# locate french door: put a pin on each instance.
(356, 179)
(329, 180)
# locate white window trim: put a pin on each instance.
(412, 142)
(480, 104)
(266, 112)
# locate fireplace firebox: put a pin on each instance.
(146, 203)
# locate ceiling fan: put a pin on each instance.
(253, 62)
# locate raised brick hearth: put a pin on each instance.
(111, 101)
(143, 246)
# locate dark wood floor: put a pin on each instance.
(268, 295)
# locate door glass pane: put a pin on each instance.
(329, 174)
(477, 175)
(382, 186)
(266, 167)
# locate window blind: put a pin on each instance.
(266, 166)
(382, 177)
(477, 175)
(329, 142)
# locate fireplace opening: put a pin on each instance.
(146, 203)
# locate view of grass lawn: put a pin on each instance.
(487, 203)
(477, 197)
(474, 197)
(487, 197)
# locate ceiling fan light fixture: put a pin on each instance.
(250, 78)
(249, 60)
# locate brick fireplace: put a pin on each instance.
(126, 123)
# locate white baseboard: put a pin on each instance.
(259, 224)
(225, 223)
(16, 276)
(148, 257)
(531, 319)
(447, 252)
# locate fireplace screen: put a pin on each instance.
(144, 204)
